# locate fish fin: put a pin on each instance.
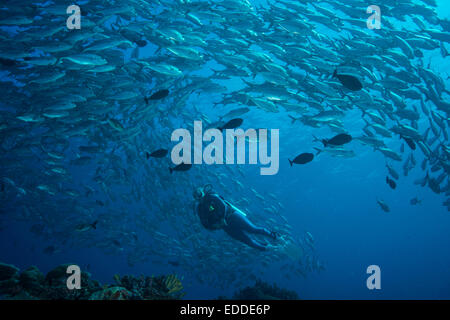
(367, 123)
(293, 119)
(318, 151)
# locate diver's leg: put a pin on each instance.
(244, 224)
(243, 237)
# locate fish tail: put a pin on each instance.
(170, 170)
(318, 151)
(94, 225)
(335, 73)
(290, 162)
(293, 119)
(147, 155)
(325, 142)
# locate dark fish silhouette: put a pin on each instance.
(338, 140)
(141, 43)
(415, 201)
(116, 243)
(160, 153)
(392, 172)
(383, 205)
(50, 250)
(158, 95)
(410, 142)
(181, 167)
(232, 124)
(348, 81)
(391, 183)
(174, 263)
(7, 62)
(302, 159)
(86, 226)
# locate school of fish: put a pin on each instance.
(103, 100)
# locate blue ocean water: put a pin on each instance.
(334, 199)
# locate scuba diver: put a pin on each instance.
(216, 213)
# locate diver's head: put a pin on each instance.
(198, 193)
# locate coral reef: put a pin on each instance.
(33, 284)
(264, 291)
(152, 288)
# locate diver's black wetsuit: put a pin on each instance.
(236, 224)
(238, 227)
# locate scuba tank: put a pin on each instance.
(236, 209)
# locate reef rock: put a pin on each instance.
(7, 271)
(264, 291)
(32, 280)
(112, 293)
